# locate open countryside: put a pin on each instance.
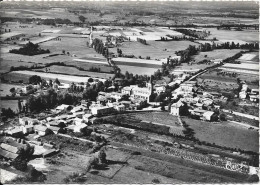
(129, 92)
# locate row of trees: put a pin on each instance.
(194, 33)
(100, 48)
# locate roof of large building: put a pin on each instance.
(177, 104)
(7, 154)
(40, 128)
(9, 148)
(208, 113)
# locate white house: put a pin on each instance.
(27, 129)
(77, 128)
(207, 115)
(41, 130)
(62, 107)
(253, 98)
(27, 121)
(175, 108)
(120, 108)
(242, 95)
(101, 110)
(78, 121)
(87, 117)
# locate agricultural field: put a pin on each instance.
(216, 54)
(87, 65)
(137, 70)
(212, 79)
(248, 68)
(76, 46)
(25, 75)
(75, 71)
(184, 67)
(40, 14)
(225, 134)
(5, 88)
(157, 117)
(154, 49)
(241, 36)
(12, 104)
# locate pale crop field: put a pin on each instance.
(137, 70)
(246, 36)
(154, 49)
(61, 77)
(75, 71)
(216, 54)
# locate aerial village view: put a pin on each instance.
(129, 92)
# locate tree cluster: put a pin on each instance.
(143, 41)
(30, 49)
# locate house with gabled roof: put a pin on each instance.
(42, 130)
(175, 108)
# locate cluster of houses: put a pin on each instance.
(198, 103)
(252, 95)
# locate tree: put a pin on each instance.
(19, 164)
(222, 117)
(253, 178)
(19, 106)
(12, 90)
(102, 157)
(82, 18)
(57, 81)
(90, 80)
(35, 79)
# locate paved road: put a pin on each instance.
(242, 115)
